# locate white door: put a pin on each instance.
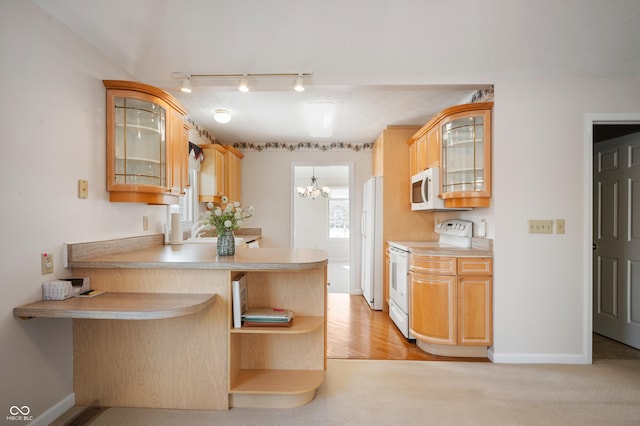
(616, 237)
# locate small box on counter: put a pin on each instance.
(65, 288)
(57, 290)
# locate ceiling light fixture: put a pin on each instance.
(186, 84)
(244, 84)
(313, 191)
(222, 116)
(299, 87)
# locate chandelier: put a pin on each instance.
(312, 191)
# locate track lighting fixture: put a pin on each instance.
(244, 84)
(299, 87)
(186, 84)
(244, 79)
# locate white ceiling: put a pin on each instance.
(155, 40)
(382, 62)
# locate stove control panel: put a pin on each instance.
(460, 228)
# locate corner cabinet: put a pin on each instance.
(147, 144)
(458, 140)
(466, 157)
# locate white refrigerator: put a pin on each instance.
(372, 244)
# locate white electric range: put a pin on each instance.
(454, 234)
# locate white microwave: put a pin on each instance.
(425, 190)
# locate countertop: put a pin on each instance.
(120, 306)
(203, 256)
(432, 248)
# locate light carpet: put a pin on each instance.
(365, 392)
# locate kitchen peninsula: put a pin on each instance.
(199, 361)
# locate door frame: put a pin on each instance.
(592, 119)
(352, 242)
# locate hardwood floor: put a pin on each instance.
(354, 331)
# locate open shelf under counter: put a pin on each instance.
(118, 306)
(274, 388)
(299, 325)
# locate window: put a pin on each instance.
(338, 212)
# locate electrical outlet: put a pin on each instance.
(559, 226)
(540, 226)
(46, 263)
(145, 223)
(83, 189)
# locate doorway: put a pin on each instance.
(324, 221)
(615, 231)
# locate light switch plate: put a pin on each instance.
(559, 226)
(540, 226)
(83, 189)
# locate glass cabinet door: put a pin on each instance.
(140, 142)
(463, 154)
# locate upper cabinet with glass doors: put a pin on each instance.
(147, 144)
(458, 141)
(466, 156)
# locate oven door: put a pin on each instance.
(398, 279)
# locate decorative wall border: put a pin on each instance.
(484, 95)
(302, 146)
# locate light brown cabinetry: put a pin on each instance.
(399, 223)
(234, 174)
(146, 144)
(220, 173)
(279, 367)
(466, 158)
(475, 301)
(458, 141)
(212, 173)
(451, 300)
(424, 149)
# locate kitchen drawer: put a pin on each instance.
(439, 265)
(475, 266)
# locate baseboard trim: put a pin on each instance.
(499, 358)
(55, 411)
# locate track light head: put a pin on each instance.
(299, 87)
(244, 84)
(186, 84)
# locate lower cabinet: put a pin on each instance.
(280, 367)
(451, 300)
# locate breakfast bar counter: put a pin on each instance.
(203, 256)
(199, 361)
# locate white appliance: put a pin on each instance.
(399, 286)
(453, 233)
(372, 244)
(425, 191)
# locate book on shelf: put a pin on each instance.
(269, 317)
(239, 299)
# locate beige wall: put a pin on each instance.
(53, 135)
